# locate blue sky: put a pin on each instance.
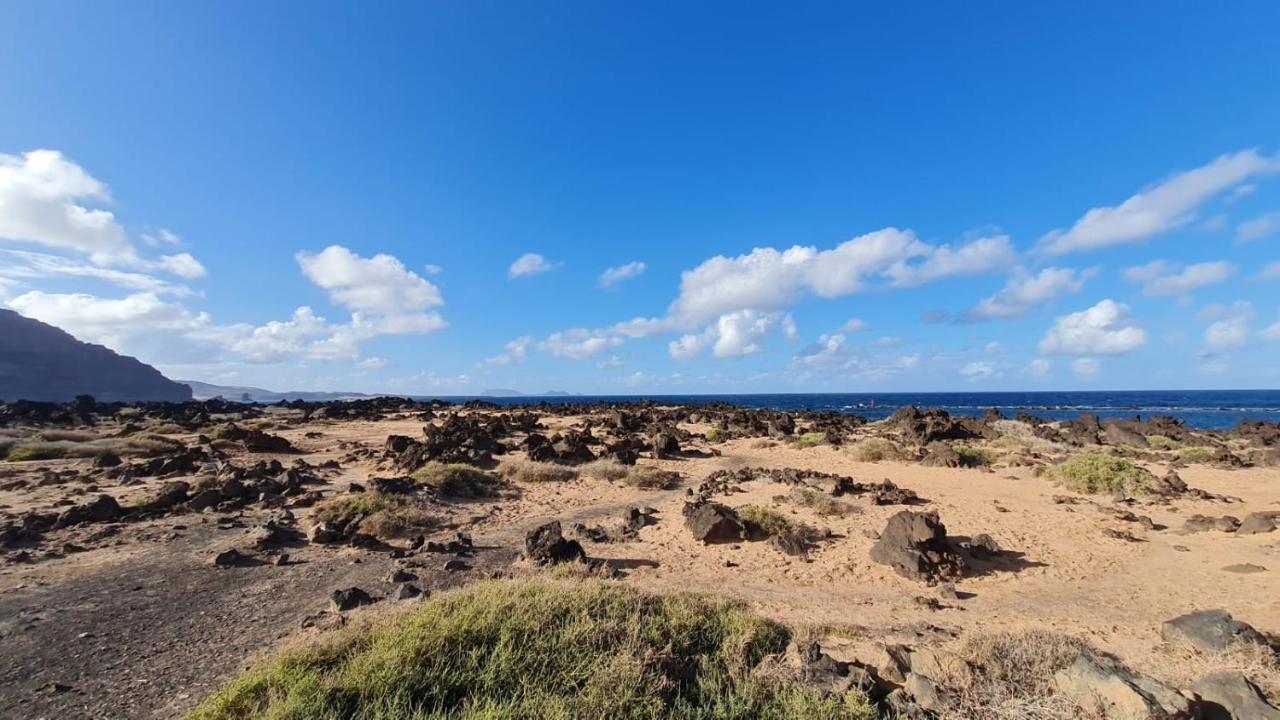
(425, 198)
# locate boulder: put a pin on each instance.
(103, 508)
(1228, 695)
(1209, 630)
(1116, 693)
(326, 533)
(169, 495)
(1258, 522)
(546, 545)
(232, 558)
(349, 598)
(712, 522)
(915, 545)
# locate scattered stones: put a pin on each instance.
(1209, 630)
(915, 545)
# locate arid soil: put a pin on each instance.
(122, 610)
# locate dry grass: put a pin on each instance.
(25, 450)
(776, 524)
(384, 516)
(1011, 677)
(651, 478)
(1197, 454)
(528, 471)
(78, 436)
(973, 457)
(1161, 442)
(610, 470)
(875, 449)
(458, 480)
(820, 502)
(1180, 664)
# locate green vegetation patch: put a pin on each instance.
(536, 650)
(1096, 473)
(529, 471)
(1197, 454)
(809, 439)
(1162, 442)
(776, 524)
(459, 480)
(974, 456)
(820, 502)
(651, 478)
(875, 449)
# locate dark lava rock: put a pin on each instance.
(406, 591)
(103, 508)
(712, 522)
(915, 545)
(232, 558)
(169, 495)
(1228, 695)
(353, 597)
(546, 545)
(1209, 630)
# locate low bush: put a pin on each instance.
(808, 440)
(973, 456)
(458, 480)
(1197, 454)
(610, 470)
(536, 649)
(528, 471)
(21, 452)
(875, 449)
(1096, 473)
(774, 524)
(820, 502)
(1162, 442)
(383, 516)
(651, 478)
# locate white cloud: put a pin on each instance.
(733, 335)
(613, 361)
(978, 370)
(1227, 334)
(182, 265)
(1158, 208)
(161, 237)
(46, 199)
(614, 275)
(387, 296)
(1215, 311)
(1258, 228)
(1272, 333)
(373, 363)
(1039, 367)
(1023, 291)
(528, 264)
(432, 269)
(19, 267)
(687, 347)
(109, 322)
(855, 325)
(1085, 367)
(1271, 271)
(517, 351)
(1159, 278)
(578, 344)
(1104, 329)
(767, 279)
(994, 348)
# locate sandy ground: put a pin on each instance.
(164, 627)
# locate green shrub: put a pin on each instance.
(1162, 442)
(714, 435)
(343, 508)
(6, 445)
(875, 449)
(1093, 473)
(1197, 454)
(384, 516)
(809, 439)
(459, 480)
(775, 524)
(36, 451)
(973, 456)
(539, 650)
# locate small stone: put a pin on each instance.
(348, 599)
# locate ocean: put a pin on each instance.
(1207, 409)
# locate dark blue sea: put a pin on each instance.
(1208, 409)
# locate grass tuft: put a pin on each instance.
(540, 650)
(1096, 473)
(1197, 454)
(1163, 442)
(651, 478)
(459, 480)
(973, 456)
(384, 516)
(875, 449)
(610, 470)
(528, 471)
(808, 440)
(820, 502)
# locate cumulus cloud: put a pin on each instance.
(1039, 367)
(110, 322)
(48, 200)
(1024, 291)
(1158, 208)
(517, 351)
(768, 279)
(393, 299)
(855, 325)
(1271, 333)
(614, 275)
(529, 264)
(1159, 278)
(578, 344)
(1085, 366)
(978, 370)
(1104, 329)
(1258, 228)
(1228, 334)
(733, 335)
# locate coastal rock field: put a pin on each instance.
(391, 558)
